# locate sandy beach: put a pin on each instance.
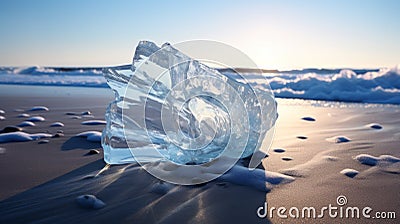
(199, 112)
(314, 142)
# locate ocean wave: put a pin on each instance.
(382, 86)
(36, 70)
(54, 76)
(349, 85)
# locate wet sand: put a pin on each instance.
(41, 181)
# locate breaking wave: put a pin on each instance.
(350, 85)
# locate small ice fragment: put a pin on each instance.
(15, 137)
(89, 201)
(387, 163)
(24, 115)
(44, 141)
(367, 159)
(375, 126)
(36, 119)
(93, 152)
(94, 122)
(2, 150)
(26, 124)
(161, 188)
(76, 117)
(339, 139)
(86, 113)
(2, 112)
(257, 178)
(92, 136)
(279, 150)
(389, 158)
(87, 133)
(2, 118)
(308, 118)
(57, 135)
(9, 129)
(40, 135)
(349, 172)
(57, 124)
(39, 108)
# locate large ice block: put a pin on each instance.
(169, 106)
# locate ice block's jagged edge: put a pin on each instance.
(181, 67)
(113, 130)
(114, 142)
(144, 49)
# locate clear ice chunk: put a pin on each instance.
(184, 109)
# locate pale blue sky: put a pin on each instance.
(275, 34)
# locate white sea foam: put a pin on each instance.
(372, 86)
(362, 85)
(53, 76)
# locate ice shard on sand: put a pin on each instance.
(169, 106)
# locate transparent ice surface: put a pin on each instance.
(186, 110)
